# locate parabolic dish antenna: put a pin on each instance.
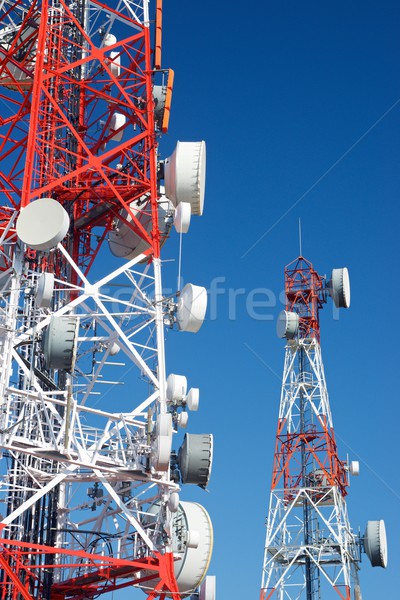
(124, 242)
(192, 306)
(340, 287)
(375, 543)
(191, 524)
(183, 213)
(193, 399)
(195, 458)
(44, 290)
(287, 324)
(162, 443)
(116, 124)
(59, 342)
(354, 468)
(176, 388)
(42, 224)
(185, 175)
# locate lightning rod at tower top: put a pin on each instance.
(90, 481)
(311, 552)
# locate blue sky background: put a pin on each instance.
(299, 104)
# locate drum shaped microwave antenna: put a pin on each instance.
(59, 342)
(44, 290)
(185, 175)
(123, 240)
(191, 309)
(339, 287)
(192, 542)
(195, 458)
(287, 324)
(375, 543)
(42, 224)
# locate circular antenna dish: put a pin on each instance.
(59, 342)
(287, 324)
(340, 288)
(109, 40)
(114, 349)
(193, 399)
(173, 502)
(354, 468)
(182, 217)
(162, 444)
(116, 124)
(192, 308)
(176, 388)
(42, 224)
(183, 419)
(115, 63)
(192, 543)
(375, 544)
(195, 458)
(124, 242)
(185, 175)
(164, 424)
(208, 588)
(44, 290)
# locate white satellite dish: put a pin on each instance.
(117, 122)
(354, 468)
(114, 349)
(185, 175)
(109, 40)
(115, 62)
(115, 55)
(173, 502)
(208, 588)
(59, 342)
(44, 290)
(193, 399)
(183, 213)
(161, 452)
(176, 388)
(124, 242)
(42, 224)
(183, 419)
(287, 324)
(339, 287)
(162, 443)
(164, 424)
(375, 544)
(191, 524)
(192, 306)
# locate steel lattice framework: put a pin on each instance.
(63, 78)
(310, 547)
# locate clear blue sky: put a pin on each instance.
(299, 104)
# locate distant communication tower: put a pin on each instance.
(89, 482)
(310, 549)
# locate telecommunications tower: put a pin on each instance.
(89, 484)
(311, 552)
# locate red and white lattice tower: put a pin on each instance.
(311, 551)
(89, 482)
